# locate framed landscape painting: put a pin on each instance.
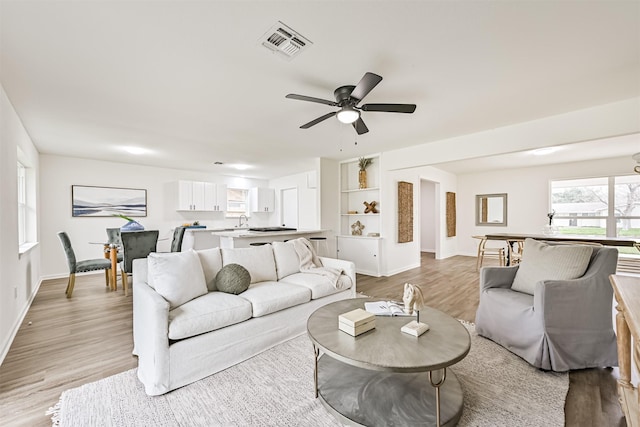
(108, 201)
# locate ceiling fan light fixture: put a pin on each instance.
(348, 115)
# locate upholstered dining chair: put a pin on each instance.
(76, 266)
(135, 244)
(113, 238)
(176, 242)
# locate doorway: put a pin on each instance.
(429, 205)
(289, 208)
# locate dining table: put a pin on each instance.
(512, 238)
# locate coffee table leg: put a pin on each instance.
(316, 352)
(437, 387)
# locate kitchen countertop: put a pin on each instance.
(240, 234)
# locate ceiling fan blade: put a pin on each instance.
(389, 108)
(311, 99)
(360, 127)
(318, 120)
(368, 82)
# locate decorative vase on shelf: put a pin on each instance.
(362, 179)
(363, 163)
(132, 226)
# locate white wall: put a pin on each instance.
(329, 200)
(411, 164)
(19, 275)
(398, 257)
(308, 211)
(59, 173)
(527, 193)
(428, 217)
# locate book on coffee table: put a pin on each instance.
(386, 308)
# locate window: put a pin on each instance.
(606, 206)
(237, 201)
(22, 204)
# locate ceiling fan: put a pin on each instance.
(347, 98)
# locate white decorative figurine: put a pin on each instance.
(413, 300)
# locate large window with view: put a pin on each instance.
(22, 204)
(605, 206)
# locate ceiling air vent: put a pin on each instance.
(284, 41)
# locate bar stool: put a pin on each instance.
(320, 245)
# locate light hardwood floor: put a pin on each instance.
(66, 343)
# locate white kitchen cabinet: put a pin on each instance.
(215, 197)
(202, 196)
(262, 199)
(364, 252)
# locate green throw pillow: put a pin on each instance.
(233, 279)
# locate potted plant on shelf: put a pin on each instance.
(363, 163)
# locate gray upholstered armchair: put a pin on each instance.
(562, 324)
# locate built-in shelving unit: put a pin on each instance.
(363, 250)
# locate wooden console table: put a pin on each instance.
(627, 292)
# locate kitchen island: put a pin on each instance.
(243, 238)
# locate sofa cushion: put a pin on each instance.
(269, 297)
(541, 261)
(233, 279)
(320, 286)
(177, 276)
(211, 261)
(258, 260)
(287, 259)
(209, 312)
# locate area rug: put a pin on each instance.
(275, 388)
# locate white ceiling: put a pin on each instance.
(188, 80)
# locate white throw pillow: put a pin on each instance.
(211, 261)
(287, 259)
(258, 260)
(541, 261)
(177, 276)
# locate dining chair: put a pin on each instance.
(113, 238)
(135, 244)
(176, 242)
(488, 252)
(76, 266)
(515, 249)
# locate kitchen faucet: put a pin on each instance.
(241, 223)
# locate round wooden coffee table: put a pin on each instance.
(384, 376)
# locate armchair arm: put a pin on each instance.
(580, 304)
(497, 277)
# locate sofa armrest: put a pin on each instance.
(497, 277)
(348, 267)
(150, 335)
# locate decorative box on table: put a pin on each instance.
(356, 322)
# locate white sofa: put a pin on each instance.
(177, 345)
